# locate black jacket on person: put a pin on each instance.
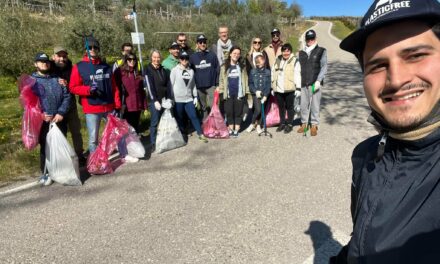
(395, 202)
(63, 73)
(159, 85)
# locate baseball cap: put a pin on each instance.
(183, 55)
(385, 12)
(275, 30)
(41, 56)
(58, 49)
(310, 34)
(201, 37)
(174, 45)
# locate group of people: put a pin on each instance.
(189, 78)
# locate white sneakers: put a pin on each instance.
(250, 128)
(130, 159)
(45, 180)
(259, 129)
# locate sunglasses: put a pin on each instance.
(93, 48)
(276, 35)
(184, 58)
(131, 59)
(202, 42)
(181, 40)
(257, 42)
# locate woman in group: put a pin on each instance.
(185, 94)
(286, 80)
(234, 88)
(255, 50)
(159, 87)
(133, 97)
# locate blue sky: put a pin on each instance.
(333, 7)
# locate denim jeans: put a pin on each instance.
(190, 111)
(92, 122)
(154, 121)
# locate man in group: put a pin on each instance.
(126, 48)
(273, 50)
(93, 81)
(313, 60)
(173, 59)
(223, 45)
(182, 40)
(396, 175)
(62, 67)
(206, 73)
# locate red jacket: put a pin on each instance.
(77, 87)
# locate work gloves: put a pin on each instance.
(263, 100)
(116, 113)
(298, 92)
(196, 102)
(258, 94)
(94, 90)
(317, 86)
(157, 106)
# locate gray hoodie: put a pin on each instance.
(184, 86)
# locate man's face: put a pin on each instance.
(402, 73)
(275, 37)
(43, 67)
(201, 45)
(60, 59)
(182, 41)
(310, 42)
(175, 52)
(127, 50)
(94, 51)
(223, 34)
(286, 54)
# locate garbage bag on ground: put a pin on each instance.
(61, 159)
(135, 147)
(214, 125)
(272, 112)
(168, 132)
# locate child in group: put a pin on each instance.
(259, 85)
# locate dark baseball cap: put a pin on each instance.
(275, 30)
(174, 45)
(41, 56)
(385, 12)
(310, 34)
(183, 55)
(201, 37)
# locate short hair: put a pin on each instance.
(181, 34)
(153, 51)
(126, 44)
(286, 46)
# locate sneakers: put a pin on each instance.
(130, 159)
(280, 128)
(45, 180)
(234, 134)
(231, 132)
(259, 130)
(203, 139)
(301, 128)
(288, 129)
(314, 130)
(250, 128)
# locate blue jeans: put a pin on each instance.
(191, 113)
(92, 122)
(154, 121)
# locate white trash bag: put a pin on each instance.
(61, 159)
(168, 132)
(134, 144)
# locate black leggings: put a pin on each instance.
(285, 102)
(234, 110)
(257, 109)
(133, 119)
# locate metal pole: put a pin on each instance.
(139, 44)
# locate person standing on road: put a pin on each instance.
(223, 45)
(185, 95)
(159, 87)
(273, 50)
(173, 59)
(313, 59)
(61, 66)
(93, 81)
(234, 89)
(206, 73)
(55, 101)
(395, 185)
(286, 83)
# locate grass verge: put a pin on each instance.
(339, 30)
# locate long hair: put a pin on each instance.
(228, 60)
(125, 69)
(252, 50)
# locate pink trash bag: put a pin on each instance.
(214, 125)
(114, 130)
(32, 115)
(272, 112)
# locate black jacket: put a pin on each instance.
(159, 85)
(395, 202)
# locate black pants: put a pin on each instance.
(234, 110)
(257, 109)
(133, 119)
(42, 139)
(285, 102)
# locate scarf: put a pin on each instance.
(223, 50)
(308, 49)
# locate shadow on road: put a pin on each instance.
(324, 244)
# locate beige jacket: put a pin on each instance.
(292, 74)
(223, 84)
(271, 53)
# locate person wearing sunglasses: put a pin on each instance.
(185, 95)
(206, 72)
(126, 48)
(255, 50)
(182, 40)
(94, 82)
(273, 50)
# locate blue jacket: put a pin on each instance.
(54, 98)
(206, 69)
(259, 80)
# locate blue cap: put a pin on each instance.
(385, 12)
(201, 37)
(41, 56)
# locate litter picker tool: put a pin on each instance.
(264, 132)
(306, 129)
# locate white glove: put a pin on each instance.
(250, 104)
(317, 86)
(263, 100)
(258, 94)
(297, 92)
(195, 101)
(157, 106)
(272, 92)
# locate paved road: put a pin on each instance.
(246, 200)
